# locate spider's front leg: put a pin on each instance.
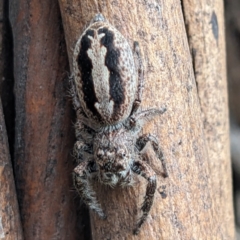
(143, 169)
(82, 151)
(141, 144)
(82, 175)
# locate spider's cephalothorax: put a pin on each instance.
(107, 92)
(113, 154)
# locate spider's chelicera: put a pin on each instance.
(107, 92)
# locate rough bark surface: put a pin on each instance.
(44, 133)
(10, 225)
(205, 29)
(194, 140)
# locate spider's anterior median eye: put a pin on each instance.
(100, 153)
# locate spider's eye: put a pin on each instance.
(100, 153)
(121, 153)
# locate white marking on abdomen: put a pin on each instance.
(100, 76)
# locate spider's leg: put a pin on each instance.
(81, 178)
(83, 147)
(147, 115)
(83, 132)
(141, 144)
(88, 122)
(140, 71)
(82, 151)
(139, 119)
(143, 169)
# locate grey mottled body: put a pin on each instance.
(107, 90)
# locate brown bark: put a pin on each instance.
(193, 132)
(205, 25)
(10, 225)
(44, 131)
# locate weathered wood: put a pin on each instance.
(10, 224)
(44, 132)
(189, 210)
(205, 29)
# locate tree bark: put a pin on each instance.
(205, 29)
(10, 224)
(193, 133)
(44, 133)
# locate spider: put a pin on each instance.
(110, 149)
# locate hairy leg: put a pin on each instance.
(139, 65)
(143, 169)
(147, 115)
(84, 133)
(81, 178)
(138, 120)
(82, 151)
(141, 143)
(90, 123)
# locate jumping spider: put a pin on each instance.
(107, 92)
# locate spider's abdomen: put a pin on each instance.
(105, 74)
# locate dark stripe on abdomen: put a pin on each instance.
(85, 67)
(112, 62)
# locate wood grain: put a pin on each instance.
(206, 35)
(44, 133)
(10, 224)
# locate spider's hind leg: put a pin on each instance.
(140, 71)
